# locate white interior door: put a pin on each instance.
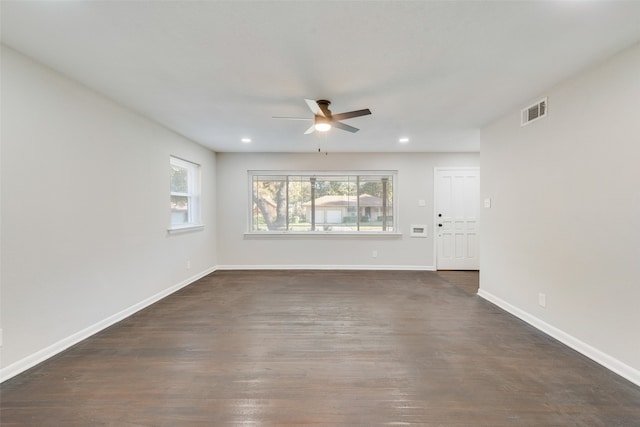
(457, 204)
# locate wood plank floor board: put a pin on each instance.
(321, 348)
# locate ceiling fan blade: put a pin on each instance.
(310, 130)
(313, 106)
(342, 126)
(351, 114)
(291, 118)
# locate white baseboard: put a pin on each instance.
(592, 353)
(44, 354)
(327, 267)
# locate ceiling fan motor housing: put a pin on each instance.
(323, 105)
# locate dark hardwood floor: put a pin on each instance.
(325, 348)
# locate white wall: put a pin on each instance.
(415, 181)
(566, 213)
(85, 210)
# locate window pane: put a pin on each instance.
(179, 210)
(335, 203)
(299, 203)
(269, 203)
(184, 183)
(376, 210)
(179, 179)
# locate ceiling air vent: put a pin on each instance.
(534, 112)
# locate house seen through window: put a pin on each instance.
(322, 202)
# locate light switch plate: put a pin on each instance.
(487, 202)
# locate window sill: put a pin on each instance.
(177, 229)
(322, 234)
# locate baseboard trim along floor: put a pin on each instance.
(50, 351)
(592, 353)
(329, 267)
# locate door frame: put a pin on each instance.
(437, 169)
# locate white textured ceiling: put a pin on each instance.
(218, 71)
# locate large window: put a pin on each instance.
(322, 202)
(185, 193)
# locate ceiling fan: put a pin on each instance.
(323, 119)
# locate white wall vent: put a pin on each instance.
(534, 112)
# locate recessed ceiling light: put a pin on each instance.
(246, 140)
(403, 140)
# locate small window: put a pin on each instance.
(185, 193)
(334, 202)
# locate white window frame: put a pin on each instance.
(394, 225)
(192, 194)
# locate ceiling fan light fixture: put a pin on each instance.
(323, 127)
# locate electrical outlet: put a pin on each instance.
(188, 265)
(374, 254)
(542, 300)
